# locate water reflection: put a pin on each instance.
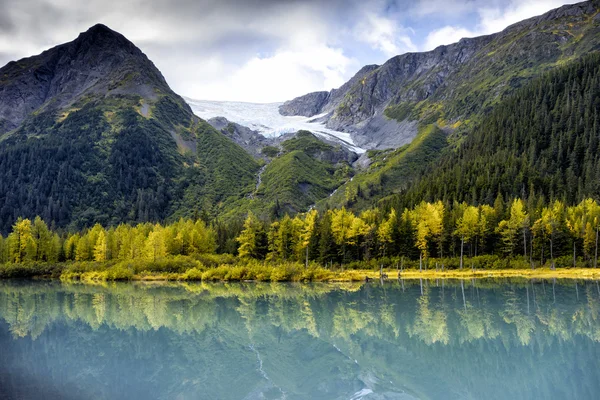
(446, 340)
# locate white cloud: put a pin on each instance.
(446, 35)
(496, 19)
(383, 34)
(491, 20)
(282, 76)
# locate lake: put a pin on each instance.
(401, 340)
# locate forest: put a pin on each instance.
(512, 234)
(540, 142)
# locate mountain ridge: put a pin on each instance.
(452, 83)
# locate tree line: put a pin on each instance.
(35, 242)
(538, 233)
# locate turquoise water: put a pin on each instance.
(401, 340)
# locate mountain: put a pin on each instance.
(542, 144)
(452, 85)
(91, 132)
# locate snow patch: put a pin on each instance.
(265, 119)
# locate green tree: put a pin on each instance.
(42, 238)
(307, 231)
(509, 229)
(248, 238)
(575, 220)
(385, 232)
(341, 228)
(467, 228)
(592, 227)
(155, 244)
(21, 243)
(549, 224)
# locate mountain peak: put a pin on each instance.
(102, 36)
(100, 28)
(98, 63)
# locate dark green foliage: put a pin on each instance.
(302, 175)
(296, 180)
(30, 270)
(270, 151)
(391, 170)
(83, 170)
(306, 142)
(106, 163)
(222, 173)
(170, 112)
(400, 111)
(544, 141)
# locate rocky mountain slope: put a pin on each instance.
(252, 141)
(91, 132)
(451, 85)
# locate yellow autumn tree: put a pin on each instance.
(467, 228)
(100, 248)
(385, 231)
(427, 219)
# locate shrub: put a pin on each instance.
(192, 274)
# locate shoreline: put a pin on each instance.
(392, 275)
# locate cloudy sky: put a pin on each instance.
(260, 50)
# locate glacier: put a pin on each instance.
(265, 119)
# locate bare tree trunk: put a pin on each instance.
(543, 249)
(306, 263)
(596, 256)
(421, 262)
(524, 243)
(531, 251)
(462, 245)
(574, 255)
(551, 255)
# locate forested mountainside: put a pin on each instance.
(570, 176)
(91, 132)
(455, 84)
(541, 143)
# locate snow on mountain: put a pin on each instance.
(265, 119)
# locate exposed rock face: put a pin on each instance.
(100, 62)
(252, 141)
(319, 102)
(306, 106)
(452, 82)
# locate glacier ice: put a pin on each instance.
(265, 119)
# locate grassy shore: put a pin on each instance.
(191, 269)
(364, 275)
